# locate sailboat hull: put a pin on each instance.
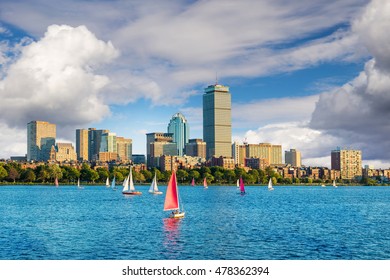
(132, 193)
(177, 215)
(152, 192)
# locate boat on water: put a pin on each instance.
(334, 184)
(193, 182)
(107, 182)
(153, 187)
(270, 187)
(78, 184)
(113, 186)
(172, 199)
(238, 183)
(128, 185)
(242, 186)
(205, 183)
(56, 182)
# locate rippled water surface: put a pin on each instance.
(41, 222)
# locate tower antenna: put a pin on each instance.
(216, 78)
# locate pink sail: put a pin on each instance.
(56, 182)
(205, 182)
(193, 182)
(242, 187)
(172, 195)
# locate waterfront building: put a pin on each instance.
(293, 157)
(348, 162)
(41, 136)
(138, 159)
(217, 123)
(108, 156)
(179, 128)
(94, 141)
(256, 163)
(196, 148)
(124, 148)
(158, 144)
(82, 144)
(224, 162)
(65, 152)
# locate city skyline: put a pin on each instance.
(302, 82)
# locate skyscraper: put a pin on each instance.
(348, 162)
(217, 123)
(124, 148)
(293, 157)
(178, 126)
(41, 136)
(94, 140)
(82, 144)
(158, 144)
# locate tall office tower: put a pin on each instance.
(124, 148)
(217, 121)
(178, 126)
(348, 162)
(239, 153)
(293, 157)
(41, 136)
(108, 143)
(157, 144)
(82, 144)
(196, 148)
(94, 139)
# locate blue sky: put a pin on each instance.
(308, 75)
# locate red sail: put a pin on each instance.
(171, 197)
(242, 188)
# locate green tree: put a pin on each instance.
(28, 175)
(42, 173)
(218, 176)
(181, 175)
(103, 173)
(147, 175)
(229, 176)
(193, 174)
(3, 173)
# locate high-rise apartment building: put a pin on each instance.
(196, 148)
(108, 143)
(82, 144)
(271, 153)
(158, 144)
(41, 136)
(293, 157)
(348, 162)
(94, 140)
(179, 128)
(217, 123)
(124, 148)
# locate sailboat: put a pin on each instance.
(56, 182)
(205, 183)
(153, 187)
(193, 182)
(238, 183)
(128, 188)
(113, 186)
(172, 198)
(107, 183)
(242, 187)
(334, 184)
(78, 184)
(270, 187)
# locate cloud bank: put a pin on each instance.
(359, 111)
(55, 79)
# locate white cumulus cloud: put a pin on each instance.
(56, 79)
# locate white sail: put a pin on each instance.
(113, 184)
(270, 188)
(78, 182)
(107, 182)
(153, 186)
(334, 184)
(126, 184)
(131, 183)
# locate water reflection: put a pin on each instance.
(172, 243)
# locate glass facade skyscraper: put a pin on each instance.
(178, 126)
(217, 121)
(41, 136)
